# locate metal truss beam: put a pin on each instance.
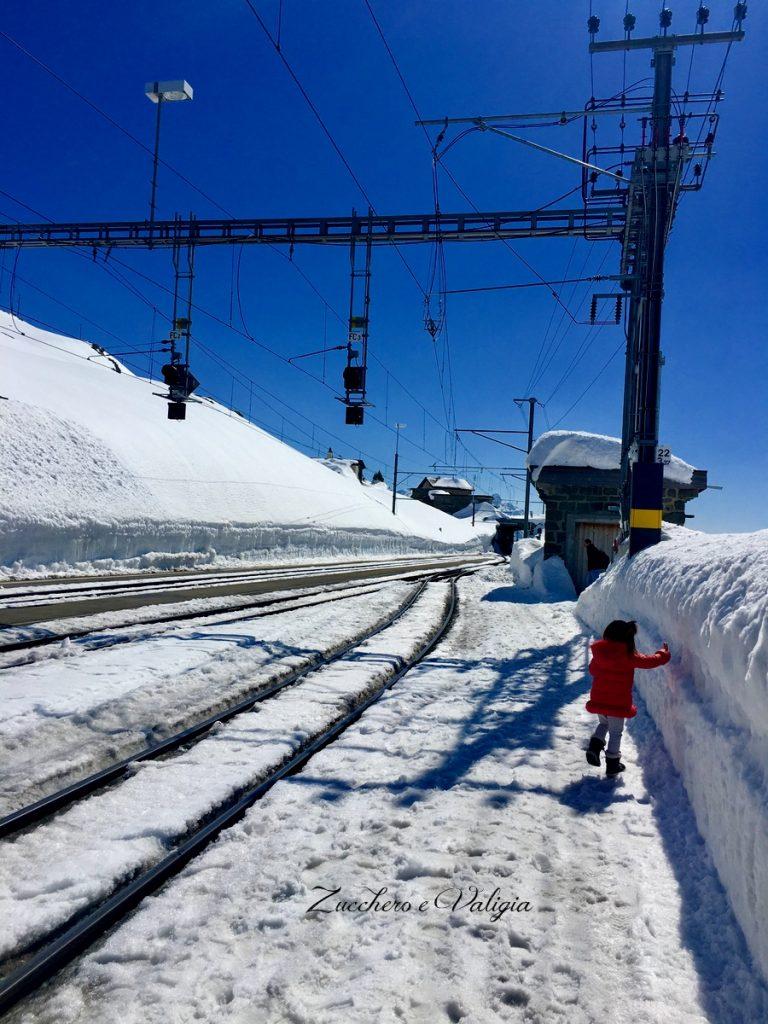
(382, 230)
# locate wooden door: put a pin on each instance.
(602, 535)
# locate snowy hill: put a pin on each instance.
(95, 474)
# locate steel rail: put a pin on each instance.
(80, 935)
(250, 611)
(16, 821)
(83, 586)
(130, 598)
(337, 594)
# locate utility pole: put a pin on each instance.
(527, 512)
(656, 178)
(398, 428)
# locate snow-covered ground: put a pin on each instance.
(597, 900)
(707, 595)
(72, 713)
(96, 477)
(65, 864)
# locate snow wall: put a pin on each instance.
(548, 578)
(707, 595)
(95, 477)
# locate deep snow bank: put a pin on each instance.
(526, 555)
(548, 578)
(94, 474)
(707, 595)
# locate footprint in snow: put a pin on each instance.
(542, 862)
(513, 995)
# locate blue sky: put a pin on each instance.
(250, 142)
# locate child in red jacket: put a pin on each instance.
(613, 664)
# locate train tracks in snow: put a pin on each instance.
(28, 604)
(187, 789)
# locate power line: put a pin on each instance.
(594, 380)
(326, 131)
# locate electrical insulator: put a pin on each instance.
(697, 169)
(665, 18)
(617, 313)
(593, 310)
(629, 23)
(739, 13)
(593, 25)
(702, 15)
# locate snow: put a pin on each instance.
(422, 519)
(484, 511)
(552, 581)
(95, 475)
(456, 482)
(579, 448)
(707, 595)
(344, 467)
(548, 579)
(526, 555)
(597, 900)
(70, 715)
(79, 857)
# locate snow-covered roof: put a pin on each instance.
(455, 482)
(598, 451)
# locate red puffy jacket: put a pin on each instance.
(613, 669)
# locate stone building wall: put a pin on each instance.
(573, 494)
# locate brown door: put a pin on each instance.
(602, 535)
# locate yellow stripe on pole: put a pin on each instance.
(645, 518)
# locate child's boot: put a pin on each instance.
(613, 767)
(593, 751)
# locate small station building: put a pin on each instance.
(578, 477)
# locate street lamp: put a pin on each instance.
(398, 428)
(159, 93)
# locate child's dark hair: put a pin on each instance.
(622, 632)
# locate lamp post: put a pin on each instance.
(398, 428)
(160, 93)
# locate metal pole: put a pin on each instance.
(526, 515)
(647, 491)
(531, 408)
(152, 203)
(394, 484)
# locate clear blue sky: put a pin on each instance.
(249, 140)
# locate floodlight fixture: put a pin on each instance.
(168, 91)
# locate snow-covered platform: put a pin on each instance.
(595, 900)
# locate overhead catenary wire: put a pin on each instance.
(326, 130)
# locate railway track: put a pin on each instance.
(53, 950)
(31, 604)
(103, 635)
